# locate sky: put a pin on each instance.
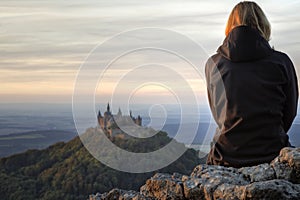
(43, 45)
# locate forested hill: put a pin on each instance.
(68, 171)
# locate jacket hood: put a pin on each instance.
(244, 44)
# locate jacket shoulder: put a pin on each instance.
(214, 58)
(212, 62)
(285, 63)
(283, 57)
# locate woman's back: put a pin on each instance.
(253, 96)
(253, 88)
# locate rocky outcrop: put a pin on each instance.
(278, 180)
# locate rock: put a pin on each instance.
(287, 164)
(282, 170)
(193, 189)
(278, 180)
(213, 176)
(257, 173)
(205, 169)
(163, 186)
(228, 191)
(290, 156)
(118, 194)
(272, 189)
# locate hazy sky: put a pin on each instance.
(44, 42)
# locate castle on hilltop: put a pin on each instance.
(110, 123)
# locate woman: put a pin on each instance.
(252, 90)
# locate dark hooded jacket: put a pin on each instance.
(253, 95)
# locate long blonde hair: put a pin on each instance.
(250, 14)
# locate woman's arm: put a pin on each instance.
(291, 91)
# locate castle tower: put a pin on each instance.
(108, 108)
(119, 114)
(107, 117)
(100, 120)
(99, 114)
(138, 121)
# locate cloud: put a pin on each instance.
(46, 41)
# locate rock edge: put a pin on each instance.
(278, 180)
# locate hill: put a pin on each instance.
(68, 171)
(20, 142)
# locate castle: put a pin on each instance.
(111, 123)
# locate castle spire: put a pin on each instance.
(130, 113)
(108, 107)
(119, 112)
(99, 114)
